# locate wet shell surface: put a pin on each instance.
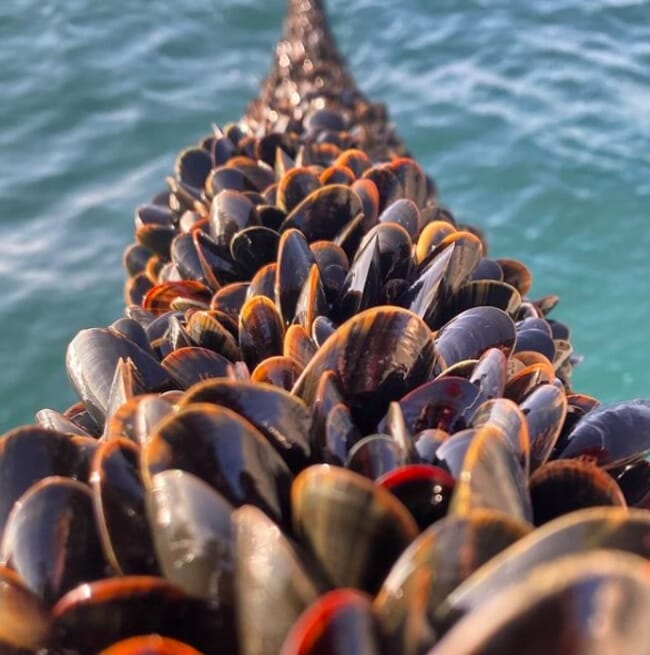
(329, 422)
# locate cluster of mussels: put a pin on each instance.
(328, 423)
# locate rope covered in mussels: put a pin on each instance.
(328, 422)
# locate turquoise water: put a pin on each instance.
(534, 118)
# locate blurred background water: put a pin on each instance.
(534, 118)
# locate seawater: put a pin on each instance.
(533, 117)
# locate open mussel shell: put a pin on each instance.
(190, 522)
(563, 486)
(353, 353)
(423, 489)
(354, 529)
(24, 621)
(283, 419)
(119, 501)
(91, 359)
(272, 584)
(150, 645)
(612, 435)
(93, 616)
(51, 539)
(30, 453)
(445, 555)
(225, 451)
(575, 533)
(339, 623)
(583, 604)
(492, 477)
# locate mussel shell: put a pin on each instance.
(295, 186)
(261, 330)
(24, 621)
(589, 603)
(298, 345)
(136, 605)
(280, 371)
(272, 584)
(380, 354)
(634, 481)
(493, 478)
(149, 645)
(545, 409)
(446, 403)
(387, 183)
(160, 298)
(471, 333)
(118, 498)
(448, 552)
(612, 435)
(190, 522)
(354, 529)
(192, 166)
(575, 533)
(231, 212)
(207, 331)
(253, 248)
(224, 450)
(50, 419)
(374, 456)
(490, 373)
(188, 366)
(506, 416)
(563, 486)
(51, 538)
(323, 213)
(283, 419)
(339, 623)
(295, 260)
(91, 359)
(29, 454)
(340, 435)
(424, 490)
(516, 274)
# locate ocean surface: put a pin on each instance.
(534, 119)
